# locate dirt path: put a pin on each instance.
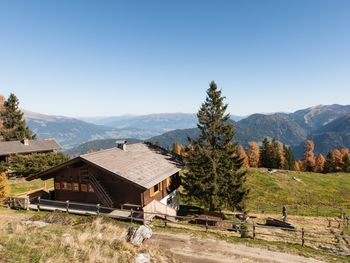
(188, 248)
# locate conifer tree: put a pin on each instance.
(265, 154)
(337, 160)
(297, 166)
(309, 156)
(212, 175)
(320, 163)
(253, 154)
(14, 125)
(289, 158)
(329, 164)
(243, 155)
(277, 154)
(346, 161)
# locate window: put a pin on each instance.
(75, 187)
(64, 186)
(83, 187)
(90, 188)
(69, 186)
(155, 189)
(57, 185)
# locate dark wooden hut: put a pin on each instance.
(132, 175)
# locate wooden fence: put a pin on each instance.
(334, 242)
(302, 210)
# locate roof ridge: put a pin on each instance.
(99, 151)
(109, 149)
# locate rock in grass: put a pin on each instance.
(136, 237)
(143, 258)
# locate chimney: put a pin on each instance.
(121, 144)
(25, 142)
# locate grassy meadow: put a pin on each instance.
(306, 190)
(21, 186)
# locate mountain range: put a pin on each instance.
(327, 125)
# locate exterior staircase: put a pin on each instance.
(100, 191)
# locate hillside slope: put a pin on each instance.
(313, 189)
(335, 134)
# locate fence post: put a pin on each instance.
(206, 224)
(165, 222)
(302, 237)
(131, 218)
(341, 213)
(67, 206)
(98, 209)
(38, 205)
(254, 233)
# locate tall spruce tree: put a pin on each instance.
(213, 176)
(14, 125)
(266, 154)
(346, 161)
(329, 166)
(289, 158)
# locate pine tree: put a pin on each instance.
(320, 163)
(289, 158)
(253, 154)
(265, 154)
(14, 125)
(309, 156)
(4, 188)
(212, 174)
(277, 154)
(329, 164)
(346, 166)
(297, 166)
(337, 160)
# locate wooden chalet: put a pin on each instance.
(25, 147)
(125, 176)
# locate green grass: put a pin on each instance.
(20, 186)
(314, 189)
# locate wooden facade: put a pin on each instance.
(117, 177)
(74, 183)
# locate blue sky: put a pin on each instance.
(93, 58)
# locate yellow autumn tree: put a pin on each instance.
(243, 155)
(298, 166)
(179, 149)
(337, 160)
(4, 187)
(345, 152)
(253, 154)
(320, 161)
(309, 161)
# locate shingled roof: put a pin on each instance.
(141, 163)
(18, 147)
